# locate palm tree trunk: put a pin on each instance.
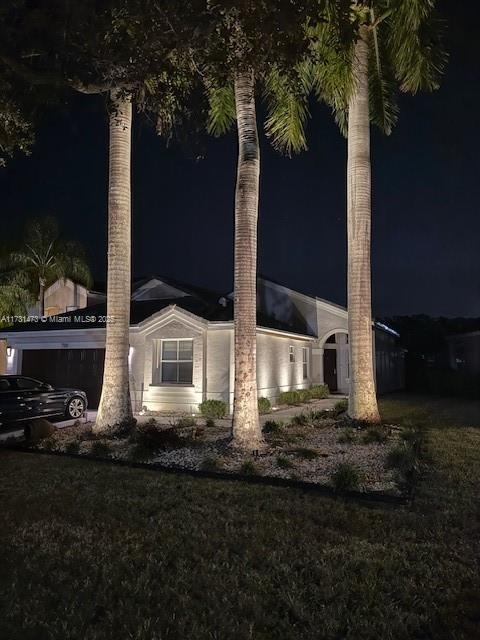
(41, 296)
(362, 401)
(246, 430)
(115, 409)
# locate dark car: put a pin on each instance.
(23, 399)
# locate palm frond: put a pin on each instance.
(383, 105)
(417, 45)
(333, 80)
(222, 112)
(287, 107)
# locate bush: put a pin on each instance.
(186, 421)
(38, 430)
(300, 420)
(402, 458)
(249, 468)
(139, 452)
(271, 426)
(72, 447)
(264, 405)
(284, 463)
(409, 435)
(306, 453)
(347, 436)
(319, 391)
(214, 409)
(209, 423)
(345, 478)
(289, 397)
(340, 407)
(212, 463)
(100, 449)
(152, 436)
(304, 395)
(375, 434)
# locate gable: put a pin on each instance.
(156, 289)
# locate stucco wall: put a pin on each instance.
(218, 364)
(63, 294)
(275, 372)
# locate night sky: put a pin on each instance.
(426, 194)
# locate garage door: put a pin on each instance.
(81, 368)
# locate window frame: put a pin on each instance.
(305, 363)
(291, 354)
(160, 361)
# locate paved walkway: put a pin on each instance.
(278, 414)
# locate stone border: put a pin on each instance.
(322, 489)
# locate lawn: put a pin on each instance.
(92, 551)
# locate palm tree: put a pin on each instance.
(244, 43)
(115, 407)
(43, 257)
(227, 105)
(362, 52)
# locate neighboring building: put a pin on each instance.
(464, 352)
(181, 344)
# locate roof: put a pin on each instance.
(140, 310)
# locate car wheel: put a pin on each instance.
(75, 408)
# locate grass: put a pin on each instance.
(91, 551)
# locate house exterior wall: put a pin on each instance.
(64, 295)
(464, 352)
(217, 382)
(275, 372)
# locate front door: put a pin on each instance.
(330, 369)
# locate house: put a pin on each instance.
(181, 344)
(464, 352)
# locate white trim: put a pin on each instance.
(325, 337)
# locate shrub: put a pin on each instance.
(152, 436)
(347, 436)
(212, 463)
(306, 453)
(186, 421)
(345, 478)
(304, 395)
(72, 447)
(214, 409)
(319, 391)
(249, 468)
(284, 463)
(38, 430)
(289, 398)
(300, 420)
(340, 407)
(402, 458)
(264, 405)
(100, 449)
(375, 434)
(139, 452)
(209, 423)
(409, 435)
(271, 426)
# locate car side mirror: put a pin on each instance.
(46, 387)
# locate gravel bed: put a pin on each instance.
(310, 453)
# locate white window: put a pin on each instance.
(305, 362)
(292, 353)
(173, 362)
